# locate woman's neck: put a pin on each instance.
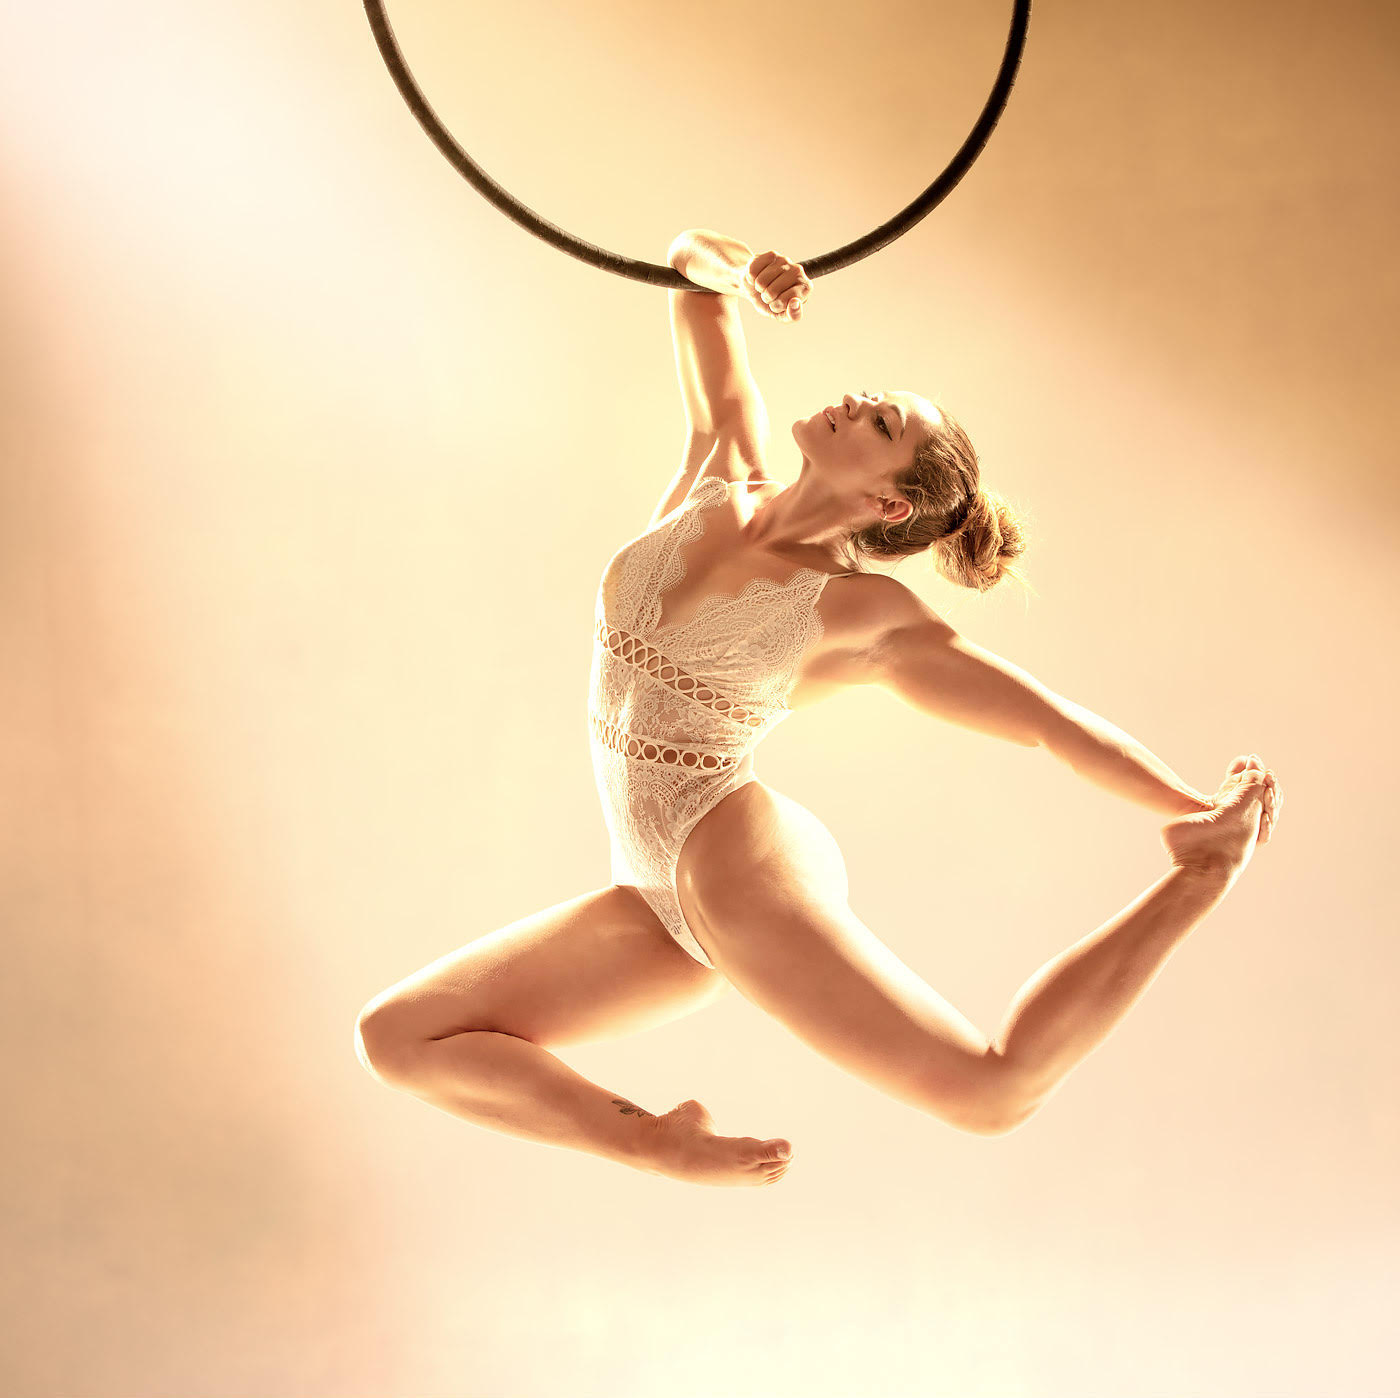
(801, 517)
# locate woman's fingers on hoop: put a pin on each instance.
(760, 270)
(760, 263)
(788, 290)
(780, 286)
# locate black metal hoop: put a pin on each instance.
(652, 272)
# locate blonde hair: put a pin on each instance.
(974, 535)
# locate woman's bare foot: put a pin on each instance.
(1223, 840)
(687, 1148)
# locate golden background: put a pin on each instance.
(310, 461)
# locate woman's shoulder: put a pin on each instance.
(869, 607)
(883, 600)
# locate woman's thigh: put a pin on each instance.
(593, 967)
(763, 885)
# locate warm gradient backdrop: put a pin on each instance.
(309, 464)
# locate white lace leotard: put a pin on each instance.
(676, 711)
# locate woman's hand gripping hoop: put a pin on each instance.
(777, 286)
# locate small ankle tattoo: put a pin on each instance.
(629, 1108)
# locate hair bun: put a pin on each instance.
(958, 520)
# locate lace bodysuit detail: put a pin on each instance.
(675, 711)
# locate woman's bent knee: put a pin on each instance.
(991, 1103)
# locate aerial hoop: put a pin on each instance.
(651, 272)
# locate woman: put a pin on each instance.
(743, 599)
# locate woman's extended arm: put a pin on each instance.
(1104, 754)
(934, 669)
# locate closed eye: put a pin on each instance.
(885, 427)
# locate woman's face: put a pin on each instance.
(863, 443)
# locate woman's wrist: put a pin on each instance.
(711, 260)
